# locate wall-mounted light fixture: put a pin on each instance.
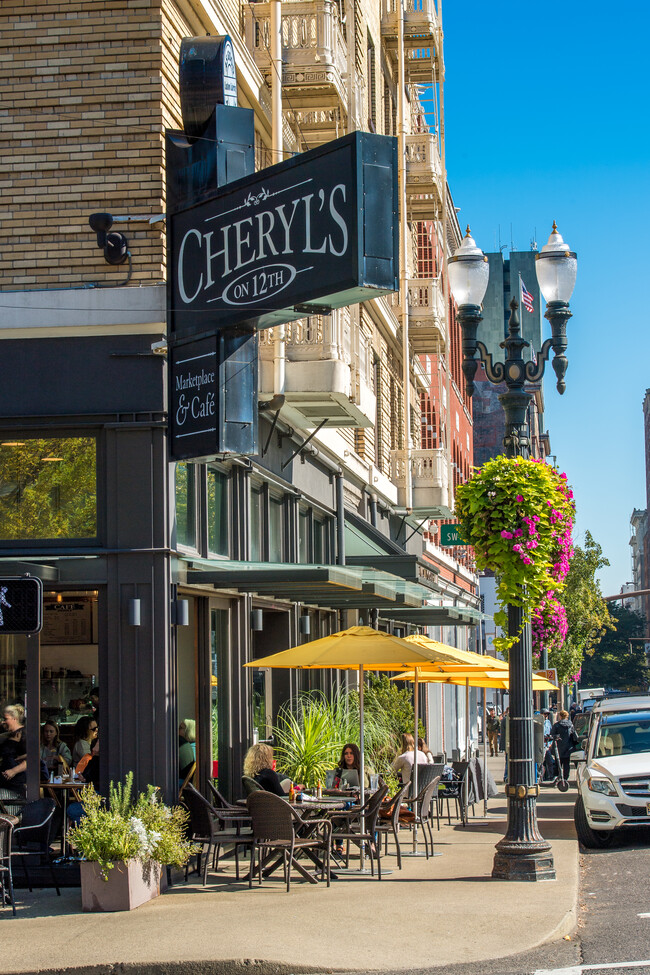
(181, 612)
(257, 620)
(133, 607)
(305, 624)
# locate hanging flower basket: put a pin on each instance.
(518, 516)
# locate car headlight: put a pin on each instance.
(603, 786)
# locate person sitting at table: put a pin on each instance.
(85, 731)
(403, 764)
(90, 774)
(54, 752)
(346, 775)
(259, 763)
(426, 751)
(13, 759)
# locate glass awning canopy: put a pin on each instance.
(333, 586)
(444, 615)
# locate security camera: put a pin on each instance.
(114, 245)
(101, 223)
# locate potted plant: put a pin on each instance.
(125, 844)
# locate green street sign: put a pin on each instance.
(450, 535)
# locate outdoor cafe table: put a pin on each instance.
(64, 788)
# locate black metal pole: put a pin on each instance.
(523, 853)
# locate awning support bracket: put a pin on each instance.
(304, 443)
(416, 529)
(273, 426)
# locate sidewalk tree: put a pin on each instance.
(619, 660)
(587, 614)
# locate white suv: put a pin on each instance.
(614, 773)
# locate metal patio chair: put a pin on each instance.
(6, 879)
(208, 829)
(385, 826)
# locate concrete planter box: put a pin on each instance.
(130, 883)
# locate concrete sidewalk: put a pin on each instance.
(358, 924)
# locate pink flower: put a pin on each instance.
(505, 534)
(519, 498)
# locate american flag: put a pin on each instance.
(526, 297)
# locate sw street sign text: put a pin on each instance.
(318, 231)
(450, 535)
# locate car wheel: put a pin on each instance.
(593, 839)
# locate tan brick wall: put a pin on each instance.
(80, 132)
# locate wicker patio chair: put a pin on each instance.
(391, 825)
(207, 829)
(250, 785)
(351, 830)
(279, 828)
(32, 837)
(422, 808)
(6, 880)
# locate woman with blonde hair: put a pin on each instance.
(258, 765)
(403, 764)
(13, 759)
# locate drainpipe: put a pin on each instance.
(279, 348)
(404, 243)
(445, 278)
(340, 518)
(373, 510)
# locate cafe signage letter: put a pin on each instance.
(315, 232)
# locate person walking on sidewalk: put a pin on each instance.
(493, 727)
(567, 740)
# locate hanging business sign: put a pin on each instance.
(21, 605)
(316, 232)
(451, 535)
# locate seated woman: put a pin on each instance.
(348, 770)
(85, 732)
(258, 764)
(424, 748)
(54, 752)
(403, 764)
(186, 748)
(13, 759)
(90, 774)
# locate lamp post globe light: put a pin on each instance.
(523, 853)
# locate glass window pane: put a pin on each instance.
(218, 513)
(303, 535)
(276, 508)
(48, 488)
(256, 525)
(185, 505)
(319, 542)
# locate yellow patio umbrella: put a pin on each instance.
(476, 678)
(455, 657)
(359, 648)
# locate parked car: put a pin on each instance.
(613, 774)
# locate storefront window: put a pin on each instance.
(48, 488)
(186, 504)
(276, 529)
(257, 521)
(321, 541)
(304, 527)
(218, 513)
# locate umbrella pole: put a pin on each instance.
(414, 775)
(485, 806)
(362, 773)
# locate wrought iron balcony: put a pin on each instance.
(426, 307)
(429, 479)
(314, 59)
(328, 372)
(420, 36)
(423, 176)
(420, 21)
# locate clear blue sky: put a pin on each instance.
(546, 110)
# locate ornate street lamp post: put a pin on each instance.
(523, 853)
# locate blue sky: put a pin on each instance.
(547, 118)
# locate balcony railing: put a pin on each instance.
(328, 372)
(426, 306)
(423, 176)
(314, 51)
(429, 477)
(420, 20)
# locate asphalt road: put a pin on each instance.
(613, 935)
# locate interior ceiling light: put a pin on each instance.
(13, 443)
(51, 459)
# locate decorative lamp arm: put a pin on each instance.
(495, 371)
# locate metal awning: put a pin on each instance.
(333, 586)
(435, 615)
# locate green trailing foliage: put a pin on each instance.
(128, 828)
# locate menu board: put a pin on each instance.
(67, 622)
